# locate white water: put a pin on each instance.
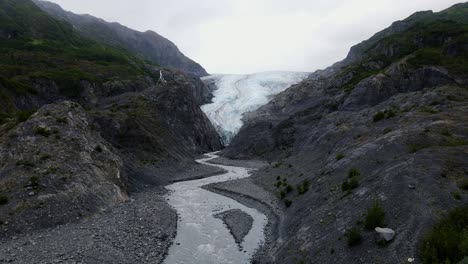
(238, 94)
(202, 238)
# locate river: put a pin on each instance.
(201, 238)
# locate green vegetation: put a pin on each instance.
(303, 188)
(34, 46)
(415, 147)
(34, 182)
(375, 217)
(463, 184)
(389, 113)
(354, 237)
(25, 163)
(350, 184)
(289, 188)
(287, 203)
(432, 39)
(340, 156)
(429, 110)
(387, 130)
(62, 120)
(3, 199)
(98, 148)
(447, 242)
(43, 132)
(457, 196)
(354, 172)
(45, 157)
(282, 194)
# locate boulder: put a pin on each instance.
(384, 234)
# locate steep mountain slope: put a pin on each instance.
(82, 123)
(148, 45)
(387, 124)
(235, 95)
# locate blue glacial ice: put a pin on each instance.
(238, 94)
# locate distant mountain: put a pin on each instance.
(387, 126)
(237, 94)
(148, 45)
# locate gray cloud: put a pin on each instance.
(244, 36)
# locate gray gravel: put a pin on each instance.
(238, 223)
(248, 193)
(138, 231)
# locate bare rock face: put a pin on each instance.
(56, 168)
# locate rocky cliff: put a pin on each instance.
(82, 124)
(387, 125)
(148, 45)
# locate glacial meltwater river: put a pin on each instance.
(202, 238)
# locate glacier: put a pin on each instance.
(237, 94)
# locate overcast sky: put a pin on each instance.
(246, 36)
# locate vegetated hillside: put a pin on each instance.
(387, 125)
(82, 123)
(149, 45)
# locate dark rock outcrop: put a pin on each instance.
(149, 45)
(57, 168)
(364, 130)
(103, 123)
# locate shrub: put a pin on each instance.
(389, 113)
(45, 157)
(25, 163)
(447, 242)
(463, 184)
(354, 172)
(34, 181)
(43, 131)
(340, 156)
(287, 203)
(23, 116)
(62, 120)
(3, 200)
(303, 188)
(354, 237)
(350, 184)
(282, 194)
(457, 196)
(375, 217)
(379, 116)
(98, 148)
(387, 130)
(289, 189)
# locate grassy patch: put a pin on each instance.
(354, 237)
(3, 200)
(387, 114)
(303, 187)
(340, 156)
(457, 196)
(447, 242)
(43, 132)
(375, 217)
(463, 184)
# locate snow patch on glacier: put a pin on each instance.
(238, 94)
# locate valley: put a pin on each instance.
(103, 161)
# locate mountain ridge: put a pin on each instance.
(148, 45)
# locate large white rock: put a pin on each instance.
(385, 234)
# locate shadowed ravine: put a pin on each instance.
(203, 238)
